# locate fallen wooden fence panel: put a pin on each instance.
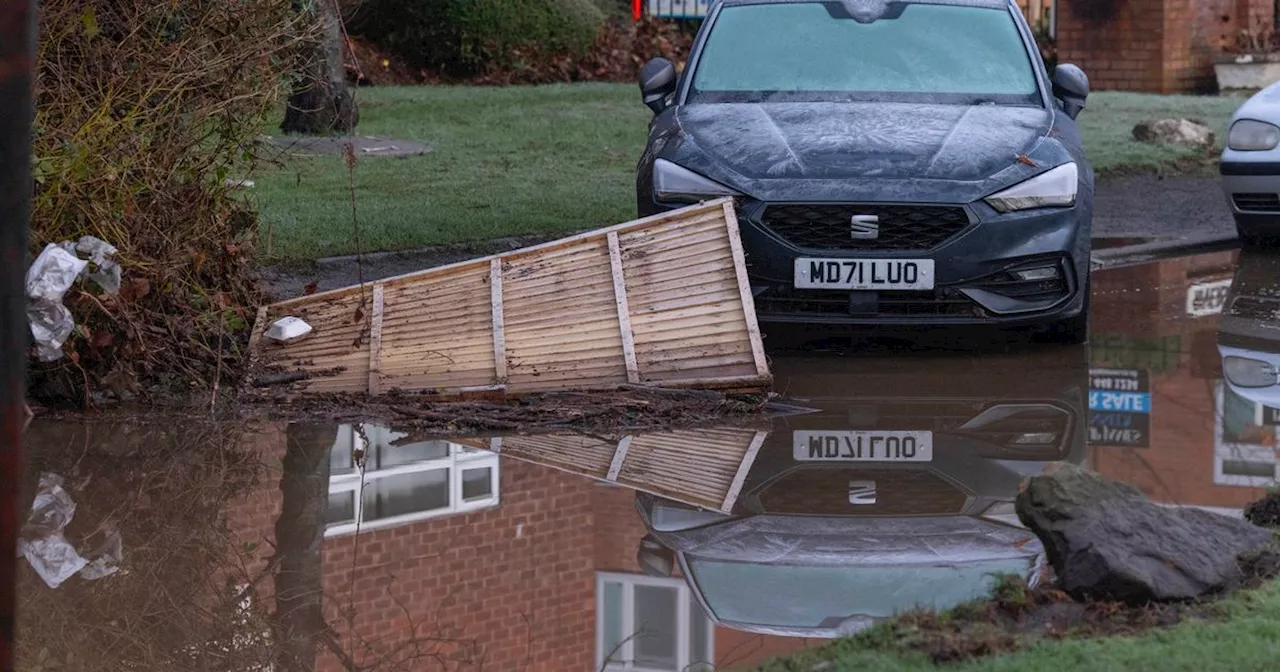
(661, 301)
(703, 467)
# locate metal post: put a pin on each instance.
(17, 67)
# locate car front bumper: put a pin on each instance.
(1252, 189)
(972, 271)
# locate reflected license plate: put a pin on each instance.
(864, 274)
(872, 446)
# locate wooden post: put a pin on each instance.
(375, 341)
(744, 468)
(619, 456)
(744, 288)
(499, 330)
(624, 310)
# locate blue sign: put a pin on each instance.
(1119, 408)
(1125, 402)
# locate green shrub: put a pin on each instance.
(471, 36)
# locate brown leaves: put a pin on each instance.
(133, 289)
(311, 288)
(1023, 158)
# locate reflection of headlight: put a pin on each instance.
(1054, 188)
(672, 183)
(1002, 512)
(1245, 372)
(1248, 135)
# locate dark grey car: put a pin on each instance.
(893, 162)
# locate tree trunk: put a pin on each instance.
(321, 103)
(299, 618)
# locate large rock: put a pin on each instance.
(1107, 540)
(1191, 133)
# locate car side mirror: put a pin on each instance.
(1071, 86)
(657, 83)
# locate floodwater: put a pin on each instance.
(886, 482)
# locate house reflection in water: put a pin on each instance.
(531, 552)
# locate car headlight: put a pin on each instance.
(1247, 135)
(1246, 372)
(1053, 188)
(672, 183)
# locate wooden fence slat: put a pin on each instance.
(744, 287)
(619, 456)
(375, 341)
(744, 468)
(624, 311)
(499, 328)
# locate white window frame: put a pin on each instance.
(683, 629)
(1224, 451)
(372, 439)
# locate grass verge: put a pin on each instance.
(546, 160)
(1241, 632)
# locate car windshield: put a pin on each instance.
(799, 596)
(816, 51)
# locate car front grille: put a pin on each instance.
(1257, 202)
(899, 492)
(829, 226)
(781, 299)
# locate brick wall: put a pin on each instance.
(1157, 46)
(1178, 465)
(511, 587)
(618, 531)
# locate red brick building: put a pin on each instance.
(1156, 46)
(528, 576)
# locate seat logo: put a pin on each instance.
(864, 227)
(862, 492)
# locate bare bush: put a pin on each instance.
(146, 112)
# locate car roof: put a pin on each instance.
(995, 4)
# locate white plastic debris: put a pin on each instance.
(106, 270)
(46, 548)
(238, 184)
(288, 329)
(42, 542)
(49, 278)
(53, 273)
(51, 324)
(110, 553)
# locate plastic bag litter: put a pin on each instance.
(49, 278)
(46, 548)
(109, 555)
(53, 273)
(51, 325)
(42, 542)
(106, 270)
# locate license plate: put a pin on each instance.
(864, 274)
(862, 446)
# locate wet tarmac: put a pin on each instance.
(884, 482)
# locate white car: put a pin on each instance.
(1250, 168)
(1249, 329)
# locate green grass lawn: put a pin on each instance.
(535, 160)
(1247, 639)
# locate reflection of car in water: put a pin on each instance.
(828, 536)
(1249, 329)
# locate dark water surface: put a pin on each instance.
(325, 547)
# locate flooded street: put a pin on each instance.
(881, 481)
